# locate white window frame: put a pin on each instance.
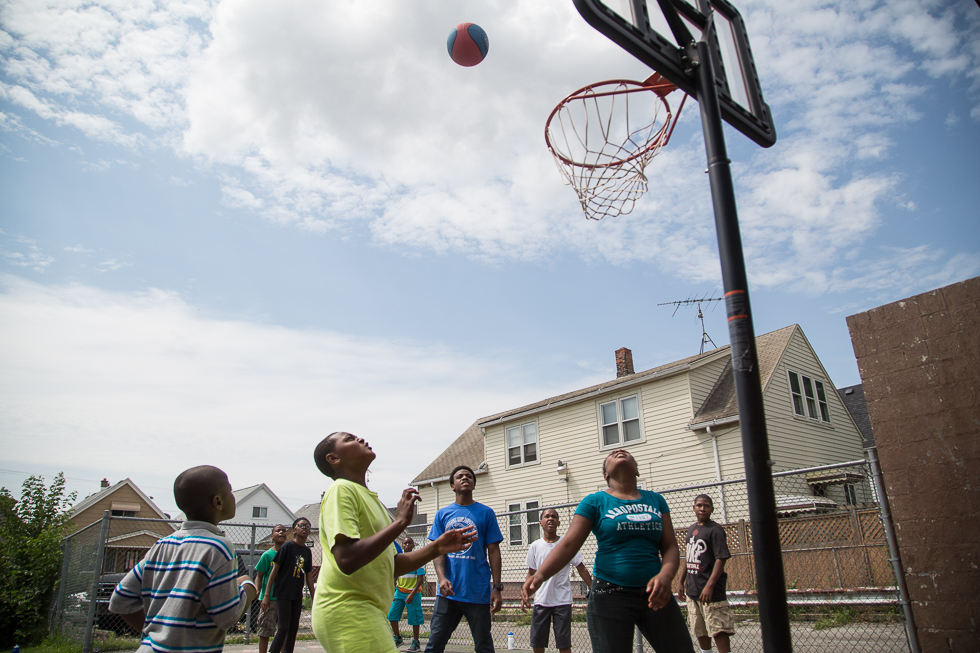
(806, 400)
(522, 430)
(260, 509)
(603, 415)
(520, 524)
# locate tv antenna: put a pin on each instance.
(705, 338)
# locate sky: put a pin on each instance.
(231, 227)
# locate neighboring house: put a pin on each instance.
(257, 504)
(128, 539)
(681, 423)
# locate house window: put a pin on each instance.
(123, 509)
(809, 397)
(260, 512)
(133, 556)
(620, 421)
(518, 520)
(522, 444)
(850, 494)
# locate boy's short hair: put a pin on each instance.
(452, 474)
(552, 510)
(705, 496)
(195, 487)
(320, 455)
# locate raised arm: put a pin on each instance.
(353, 554)
(560, 556)
(452, 540)
(658, 588)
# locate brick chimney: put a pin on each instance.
(624, 362)
(104, 484)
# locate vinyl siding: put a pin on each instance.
(668, 454)
(124, 494)
(703, 378)
(794, 441)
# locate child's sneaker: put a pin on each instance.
(398, 640)
(415, 647)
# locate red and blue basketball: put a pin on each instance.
(468, 44)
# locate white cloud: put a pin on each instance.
(24, 253)
(330, 116)
(111, 265)
(107, 381)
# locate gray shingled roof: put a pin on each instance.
(721, 402)
(468, 448)
(310, 511)
(857, 406)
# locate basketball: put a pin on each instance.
(468, 44)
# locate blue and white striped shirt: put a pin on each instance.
(187, 585)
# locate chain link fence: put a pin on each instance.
(113, 546)
(841, 583)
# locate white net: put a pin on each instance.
(603, 136)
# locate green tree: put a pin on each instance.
(30, 557)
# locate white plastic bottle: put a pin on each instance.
(510, 641)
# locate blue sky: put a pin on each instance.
(228, 228)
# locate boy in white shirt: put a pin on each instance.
(553, 600)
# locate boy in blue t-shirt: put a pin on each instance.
(466, 575)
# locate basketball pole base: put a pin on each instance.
(770, 578)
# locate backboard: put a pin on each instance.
(641, 28)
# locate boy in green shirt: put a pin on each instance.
(268, 619)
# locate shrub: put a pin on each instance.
(30, 557)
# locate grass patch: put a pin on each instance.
(54, 643)
(836, 619)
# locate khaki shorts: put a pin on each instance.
(268, 621)
(710, 619)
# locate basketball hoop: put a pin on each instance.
(604, 135)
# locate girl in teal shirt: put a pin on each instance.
(635, 564)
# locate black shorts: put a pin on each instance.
(562, 620)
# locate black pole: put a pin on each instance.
(770, 580)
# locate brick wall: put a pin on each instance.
(919, 359)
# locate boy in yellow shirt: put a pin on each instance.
(360, 562)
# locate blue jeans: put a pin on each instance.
(614, 610)
(445, 617)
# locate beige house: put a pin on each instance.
(680, 421)
(128, 539)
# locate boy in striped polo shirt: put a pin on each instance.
(186, 592)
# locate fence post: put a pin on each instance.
(93, 593)
(58, 615)
(886, 520)
(638, 640)
(251, 568)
